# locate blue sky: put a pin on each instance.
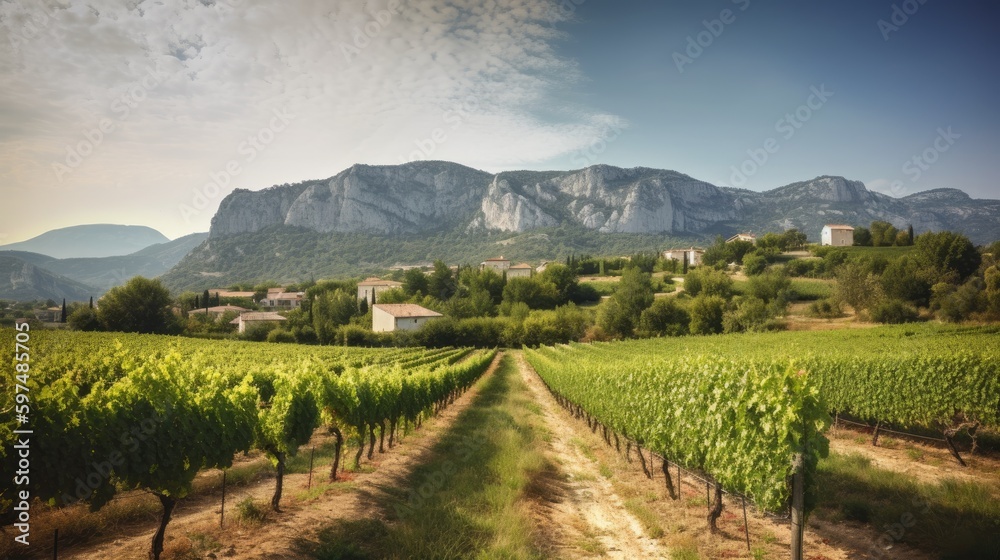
(150, 113)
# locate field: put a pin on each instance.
(584, 450)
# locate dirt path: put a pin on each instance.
(194, 530)
(591, 512)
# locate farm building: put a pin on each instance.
(693, 255)
(256, 317)
(837, 235)
(400, 316)
(278, 298)
(522, 270)
(375, 286)
(743, 237)
(498, 264)
(230, 294)
(217, 311)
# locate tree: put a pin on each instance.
(535, 292)
(415, 282)
(62, 315)
(331, 310)
(564, 279)
(793, 240)
(486, 280)
(620, 314)
(906, 280)
(664, 318)
(948, 254)
(707, 314)
(140, 305)
(84, 319)
(909, 233)
(363, 306)
(748, 314)
(862, 237)
(206, 298)
(441, 283)
(902, 239)
(754, 263)
(879, 232)
(857, 286)
(710, 282)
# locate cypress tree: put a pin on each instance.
(63, 318)
(91, 302)
(909, 230)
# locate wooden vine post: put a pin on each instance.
(798, 505)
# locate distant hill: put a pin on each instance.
(87, 241)
(23, 281)
(101, 274)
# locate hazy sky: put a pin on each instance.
(150, 112)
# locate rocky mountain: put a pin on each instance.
(22, 281)
(87, 276)
(368, 218)
(93, 240)
(423, 197)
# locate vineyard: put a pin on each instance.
(749, 411)
(748, 414)
(114, 412)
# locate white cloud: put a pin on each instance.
(363, 87)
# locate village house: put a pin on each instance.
(278, 298)
(388, 317)
(218, 311)
(255, 318)
(375, 286)
(693, 255)
(498, 264)
(743, 237)
(837, 235)
(522, 270)
(230, 294)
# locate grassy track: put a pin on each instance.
(955, 519)
(469, 497)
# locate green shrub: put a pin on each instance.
(749, 314)
(280, 335)
(249, 512)
(664, 318)
(893, 311)
(828, 308)
(706, 314)
(754, 263)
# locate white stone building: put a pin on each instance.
(400, 316)
(837, 235)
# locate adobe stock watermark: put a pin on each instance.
(39, 18)
(454, 119)
(915, 167)
(250, 149)
(697, 43)
(894, 532)
(122, 106)
(562, 10)
(787, 126)
(589, 154)
(436, 481)
(898, 16)
(363, 36)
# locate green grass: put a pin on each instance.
(646, 517)
(805, 289)
(955, 520)
(467, 498)
(602, 287)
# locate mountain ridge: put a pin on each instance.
(432, 196)
(90, 241)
